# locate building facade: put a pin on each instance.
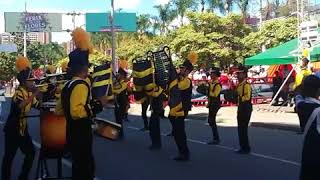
(42, 37)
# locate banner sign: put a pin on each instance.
(100, 22)
(32, 22)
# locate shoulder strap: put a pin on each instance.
(66, 93)
(311, 119)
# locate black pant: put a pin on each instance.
(121, 109)
(144, 107)
(243, 118)
(179, 134)
(213, 110)
(12, 143)
(81, 150)
(154, 124)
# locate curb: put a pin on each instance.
(285, 127)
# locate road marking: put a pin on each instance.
(233, 149)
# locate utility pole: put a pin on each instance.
(74, 14)
(260, 15)
(114, 61)
(25, 31)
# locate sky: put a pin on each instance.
(65, 6)
(82, 6)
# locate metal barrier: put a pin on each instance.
(232, 83)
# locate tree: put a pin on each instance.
(143, 23)
(156, 24)
(215, 4)
(101, 41)
(225, 6)
(203, 3)
(181, 6)
(166, 16)
(216, 39)
(7, 64)
(243, 6)
(273, 33)
(42, 54)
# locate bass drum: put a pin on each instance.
(53, 132)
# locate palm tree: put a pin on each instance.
(166, 16)
(224, 6)
(203, 3)
(143, 23)
(156, 24)
(181, 6)
(243, 6)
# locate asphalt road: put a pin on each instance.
(275, 156)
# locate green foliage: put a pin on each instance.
(181, 7)
(7, 64)
(37, 54)
(273, 33)
(166, 16)
(216, 39)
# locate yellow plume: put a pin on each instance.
(51, 69)
(123, 64)
(22, 63)
(193, 57)
(82, 40)
(64, 66)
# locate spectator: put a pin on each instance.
(277, 82)
(224, 80)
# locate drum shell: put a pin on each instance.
(52, 132)
(141, 67)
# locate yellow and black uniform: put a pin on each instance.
(214, 105)
(178, 124)
(244, 114)
(75, 101)
(121, 93)
(79, 109)
(17, 135)
(16, 128)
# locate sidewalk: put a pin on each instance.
(261, 117)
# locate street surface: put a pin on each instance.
(275, 153)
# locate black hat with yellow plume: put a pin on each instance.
(192, 59)
(79, 58)
(23, 66)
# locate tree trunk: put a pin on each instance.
(202, 4)
(182, 16)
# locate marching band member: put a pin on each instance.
(244, 110)
(178, 124)
(144, 108)
(214, 104)
(308, 108)
(79, 109)
(16, 128)
(121, 91)
(154, 123)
